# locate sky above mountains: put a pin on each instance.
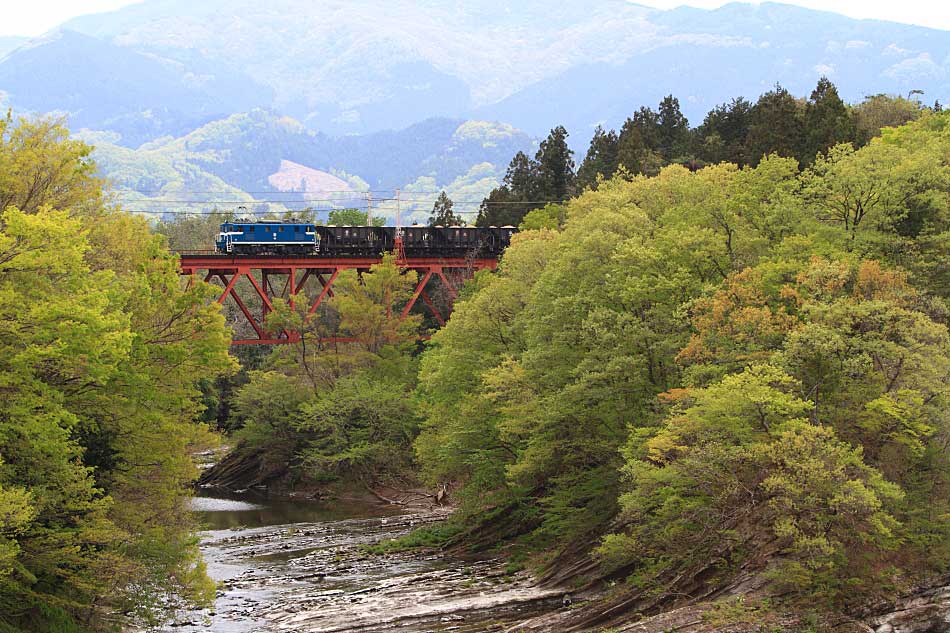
(38, 16)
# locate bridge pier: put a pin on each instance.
(230, 269)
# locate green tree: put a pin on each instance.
(601, 159)
(647, 122)
(633, 153)
(880, 111)
(827, 121)
(361, 428)
(722, 136)
(873, 193)
(460, 436)
(442, 214)
(508, 204)
(323, 412)
(673, 130)
(352, 217)
(193, 232)
(521, 178)
(102, 345)
(555, 168)
(41, 166)
(776, 125)
(737, 458)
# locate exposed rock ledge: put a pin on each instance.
(925, 610)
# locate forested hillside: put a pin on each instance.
(101, 348)
(717, 374)
(698, 382)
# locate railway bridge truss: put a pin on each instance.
(252, 282)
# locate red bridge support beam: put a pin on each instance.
(299, 270)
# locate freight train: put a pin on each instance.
(307, 239)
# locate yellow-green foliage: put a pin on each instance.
(344, 409)
(100, 347)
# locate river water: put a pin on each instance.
(298, 566)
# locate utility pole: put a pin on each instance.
(369, 208)
(399, 247)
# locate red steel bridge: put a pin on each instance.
(274, 276)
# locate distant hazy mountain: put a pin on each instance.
(8, 43)
(708, 57)
(110, 87)
(356, 66)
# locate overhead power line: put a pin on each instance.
(270, 192)
(377, 200)
(128, 192)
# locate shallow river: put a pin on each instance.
(298, 566)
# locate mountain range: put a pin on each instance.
(269, 162)
(379, 88)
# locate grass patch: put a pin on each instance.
(739, 611)
(427, 537)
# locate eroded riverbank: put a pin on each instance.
(299, 566)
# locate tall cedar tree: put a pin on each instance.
(776, 126)
(638, 143)
(507, 204)
(555, 167)
(601, 159)
(442, 214)
(632, 151)
(673, 129)
(827, 121)
(722, 135)
(647, 122)
(530, 184)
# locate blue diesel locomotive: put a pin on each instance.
(267, 238)
(302, 238)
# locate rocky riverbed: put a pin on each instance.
(300, 567)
